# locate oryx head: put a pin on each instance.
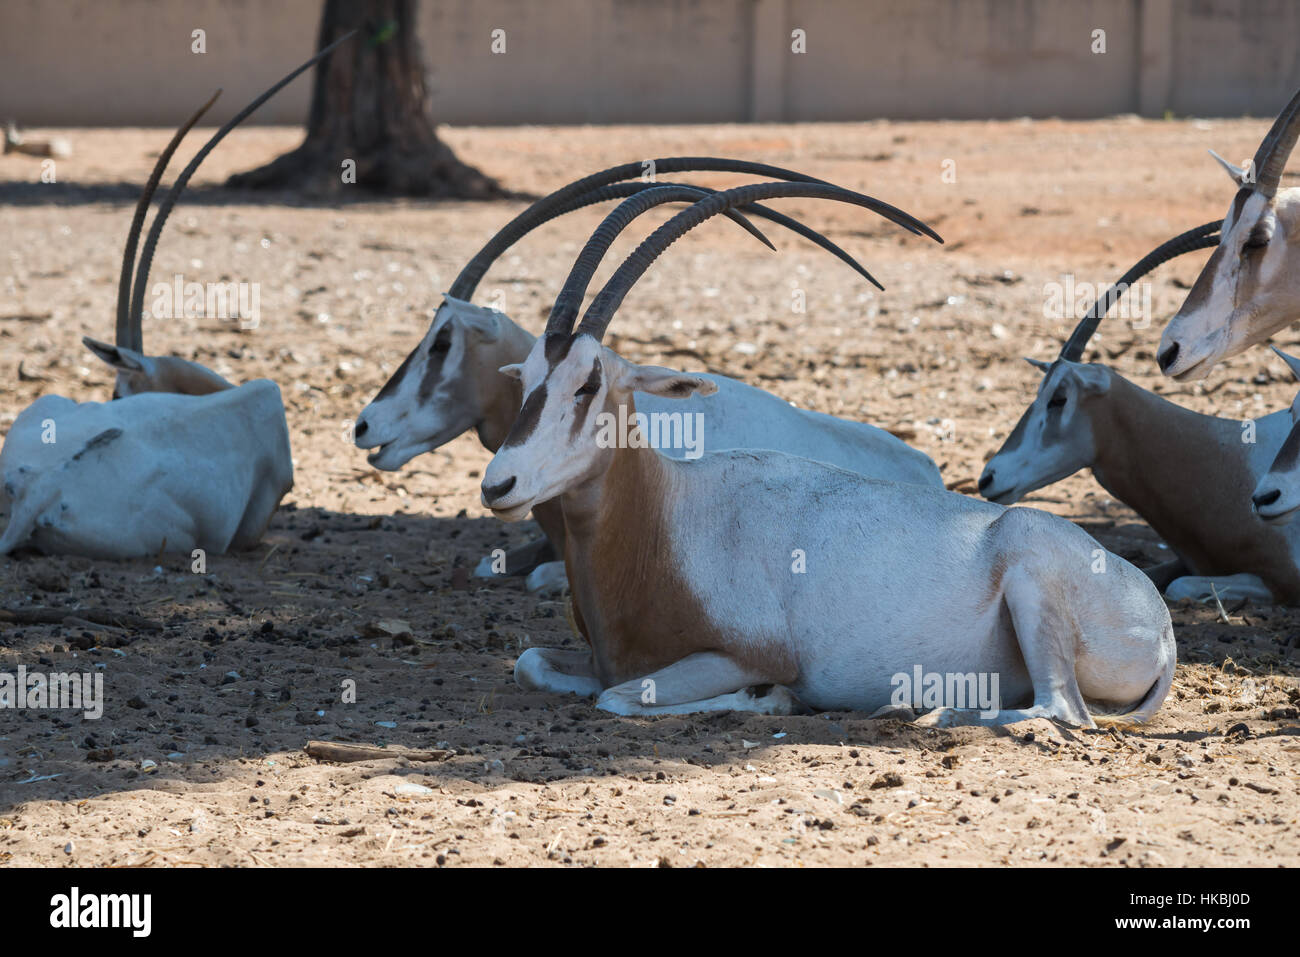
(137, 372)
(1277, 495)
(1054, 437)
(444, 387)
(449, 382)
(573, 386)
(1250, 288)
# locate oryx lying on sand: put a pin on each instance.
(1250, 288)
(449, 383)
(1190, 476)
(757, 580)
(181, 459)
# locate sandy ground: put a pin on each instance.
(199, 759)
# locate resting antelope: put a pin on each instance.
(1250, 288)
(685, 588)
(1190, 476)
(181, 459)
(449, 384)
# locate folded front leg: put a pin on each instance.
(707, 681)
(1227, 587)
(557, 671)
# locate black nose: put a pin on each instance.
(493, 492)
(986, 480)
(1168, 357)
(360, 428)
(1268, 498)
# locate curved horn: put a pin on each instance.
(544, 209)
(122, 334)
(569, 301)
(611, 296)
(178, 187)
(1202, 237)
(625, 189)
(1275, 149)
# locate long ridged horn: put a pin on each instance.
(625, 189)
(1202, 237)
(544, 209)
(611, 296)
(1275, 149)
(569, 301)
(122, 333)
(178, 187)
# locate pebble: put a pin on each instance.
(411, 789)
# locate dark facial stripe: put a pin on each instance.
(1201, 289)
(1238, 204)
(1017, 436)
(1289, 453)
(529, 416)
(585, 405)
(395, 379)
(432, 373)
(555, 348)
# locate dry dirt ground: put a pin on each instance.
(198, 759)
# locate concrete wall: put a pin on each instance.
(128, 62)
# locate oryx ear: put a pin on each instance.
(514, 371)
(667, 383)
(1237, 173)
(1091, 378)
(1039, 364)
(1291, 361)
(486, 322)
(119, 357)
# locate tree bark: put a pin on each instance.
(370, 105)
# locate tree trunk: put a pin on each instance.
(370, 105)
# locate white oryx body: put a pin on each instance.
(697, 580)
(1190, 476)
(155, 472)
(1250, 287)
(180, 459)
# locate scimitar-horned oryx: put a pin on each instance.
(1190, 476)
(181, 459)
(757, 580)
(1250, 288)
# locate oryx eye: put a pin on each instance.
(1253, 242)
(592, 385)
(440, 344)
(1057, 401)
